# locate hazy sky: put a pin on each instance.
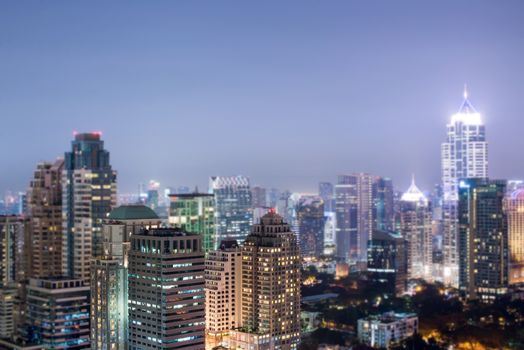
(286, 92)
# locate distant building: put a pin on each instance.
(15, 239)
(326, 191)
(310, 215)
(386, 330)
(233, 207)
(515, 213)
(223, 277)
(416, 227)
(89, 194)
(58, 313)
(109, 276)
(383, 204)
(483, 239)
(270, 288)
(166, 290)
(44, 199)
(259, 197)
(195, 213)
(464, 154)
(387, 260)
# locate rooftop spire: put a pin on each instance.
(465, 91)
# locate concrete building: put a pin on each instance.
(58, 313)
(15, 239)
(233, 207)
(44, 200)
(223, 277)
(88, 195)
(166, 290)
(270, 288)
(109, 275)
(514, 204)
(259, 197)
(8, 302)
(483, 239)
(195, 213)
(388, 329)
(416, 228)
(311, 221)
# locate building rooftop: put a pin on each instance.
(132, 212)
(413, 194)
(165, 232)
(190, 195)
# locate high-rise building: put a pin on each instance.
(234, 213)
(58, 313)
(109, 275)
(464, 154)
(44, 199)
(223, 277)
(310, 216)
(354, 208)
(388, 260)
(194, 213)
(515, 213)
(270, 288)
(8, 297)
(89, 194)
(259, 197)
(326, 191)
(14, 242)
(166, 290)
(416, 228)
(383, 204)
(483, 239)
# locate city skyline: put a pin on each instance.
(322, 76)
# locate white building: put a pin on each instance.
(416, 227)
(464, 154)
(383, 331)
(223, 277)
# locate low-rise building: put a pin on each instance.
(385, 330)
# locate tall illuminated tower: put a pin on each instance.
(515, 212)
(89, 194)
(464, 154)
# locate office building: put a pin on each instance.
(311, 221)
(15, 239)
(388, 261)
(88, 195)
(464, 154)
(166, 290)
(383, 204)
(44, 200)
(416, 228)
(58, 313)
(270, 288)
(223, 278)
(515, 213)
(8, 296)
(483, 239)
(259, 197)
(109, 275)
(386, 330)
(195, 213)
(233, 207)
(326, 191)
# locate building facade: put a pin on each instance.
(483, 239)
(515, 213)
(233, 211)
(15, 239)
(270, 288)
(195, 213)
(311, 221)
(223, 277)
(386, 330)
(44, 200)
(166, 290)
(88, 195)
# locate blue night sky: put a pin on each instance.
(288, 93)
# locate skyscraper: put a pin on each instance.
(310, 215)
(326, 191)
(44, 199)
(515, 214)
(166, 290)
(109, 275)
(14, 242)
(416, 228)
(270, 288)
(383, 206)
(464, 155)
(89, 193)
(259, 196)
(195, 213)
(483, 239)
(234, 213)
(223, 277)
